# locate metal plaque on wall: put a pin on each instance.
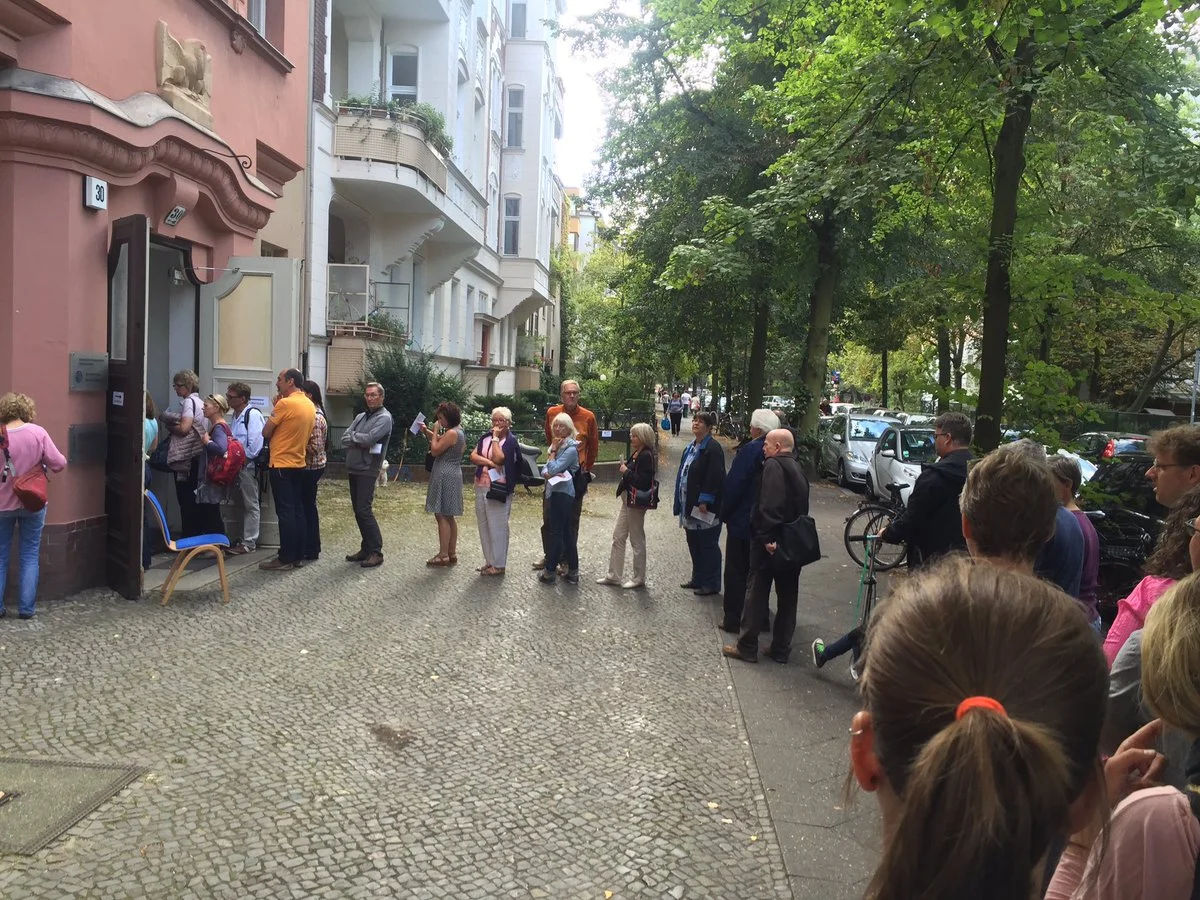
(87, 443)
(89, 371)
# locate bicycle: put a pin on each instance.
(871, 517)
(852, 641)
(728, 426)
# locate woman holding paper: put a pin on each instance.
(698, 489)
(495, 458)
(444, 496)
(560, 491)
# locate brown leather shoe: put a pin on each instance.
(356, 557)
(372, 560)
(274, 564)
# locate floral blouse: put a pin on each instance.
(314, 454)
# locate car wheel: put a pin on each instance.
(842, 480)
(870, 485)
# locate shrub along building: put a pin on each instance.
(143, 153)
(434, 199)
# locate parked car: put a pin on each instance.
(847, 446)
(1120, 502)
(1097, 445)
(897, 459)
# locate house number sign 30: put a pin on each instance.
(95, 193)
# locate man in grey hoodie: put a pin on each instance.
(366, 443)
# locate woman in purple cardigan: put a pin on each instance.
(495, 458)
(28, 446)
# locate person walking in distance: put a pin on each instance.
(931, 523)
(588, 438)
(675, 412)
(366, 443)
(242, 515)
(293, 417)
(782, 498)
(741, 490)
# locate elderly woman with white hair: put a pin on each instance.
(741, 487)
(637, 481)
(559, 473)
(495, 458)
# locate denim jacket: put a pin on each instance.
(567, 460)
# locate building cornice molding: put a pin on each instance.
(92, 149)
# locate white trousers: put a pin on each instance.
(493, 527)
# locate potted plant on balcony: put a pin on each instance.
(425, 117)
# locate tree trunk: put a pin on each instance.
(1155, 372)
(883, 377)
(758, 346)
(944, 370)
(729, 384)
(820, 312)
(960, 349)
(1047, 334)
(1009, 154)
(716, 385)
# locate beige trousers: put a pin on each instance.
(631, 526)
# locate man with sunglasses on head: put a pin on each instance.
(931, 523)
(1176, 466)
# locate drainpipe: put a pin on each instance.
(310, 148)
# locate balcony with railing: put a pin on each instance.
(360, 314)
(392, 134)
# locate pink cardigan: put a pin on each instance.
(28, 445)
(1131, 613)
(1153, 843)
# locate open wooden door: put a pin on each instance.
(128, 278)
(250, 332)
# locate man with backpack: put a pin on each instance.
(243, 515)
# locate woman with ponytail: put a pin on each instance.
(983, 694)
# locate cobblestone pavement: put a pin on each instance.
(427, 733)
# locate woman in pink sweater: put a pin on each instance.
(28, 446)
(1169, 562)
(1154, 834)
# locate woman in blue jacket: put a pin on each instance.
(564, 460)
(698, 489)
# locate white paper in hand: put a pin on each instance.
(377, 448)
(707, 518)
(415, 427)
(495, 475)
(559, 478)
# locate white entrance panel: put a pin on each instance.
(249, 331)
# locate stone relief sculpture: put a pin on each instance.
(185, 76)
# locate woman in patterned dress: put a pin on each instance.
(444, 497)
(314, 467)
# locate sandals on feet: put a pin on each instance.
(437, 561)
(491, 570)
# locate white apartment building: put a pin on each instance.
(449, 245)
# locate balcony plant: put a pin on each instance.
(424, 116)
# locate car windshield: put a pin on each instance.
(867, 429)
(916, 446)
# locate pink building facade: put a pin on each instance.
(144, 145)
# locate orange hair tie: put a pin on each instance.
(979, 703)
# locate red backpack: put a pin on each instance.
(223, 470)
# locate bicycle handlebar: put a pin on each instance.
(863, 538)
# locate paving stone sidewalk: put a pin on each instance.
(428, 733)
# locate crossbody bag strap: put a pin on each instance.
(8, 466)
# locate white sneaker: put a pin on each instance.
(607, 580)
(633, 585)
(855, 668)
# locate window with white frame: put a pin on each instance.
(516, 117)
(517, 18)
(256, 14)
(512, 226)
(402, 76)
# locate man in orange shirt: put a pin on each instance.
(589, 446)
(288, 430)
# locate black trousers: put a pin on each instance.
(312, 517)
(572, 524)
(362, 498)
(737, 577)
(190, 524)
(787, 590)
(675, 418)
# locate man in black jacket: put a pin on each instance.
(782, 497)
(931, 523)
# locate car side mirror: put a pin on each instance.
(888, 452)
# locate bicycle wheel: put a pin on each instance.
(872, 520)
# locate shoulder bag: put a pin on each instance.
(30, 487)
(182, 449)
(797, 544)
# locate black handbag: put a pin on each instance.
(797, 544)
(158, 457)
(581, 478)
(644, 499)
(498, 492)
(429, 457)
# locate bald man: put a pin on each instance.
(782, 498)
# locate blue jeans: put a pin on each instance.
(29, 526)
(564, 546)
(704, 544)
(287, 488)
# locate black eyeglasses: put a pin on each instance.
(1191, 523)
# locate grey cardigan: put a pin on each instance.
(368, 429)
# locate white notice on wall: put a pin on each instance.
(605, 434)
(259, 402)
(118, 398)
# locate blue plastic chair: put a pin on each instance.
(187, 549)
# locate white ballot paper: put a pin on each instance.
(495, 474)
(706, 517)
(415, 427)
(377, 448)
(559, 478)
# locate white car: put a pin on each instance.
(897, 459)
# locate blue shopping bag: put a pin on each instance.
(665, 423)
